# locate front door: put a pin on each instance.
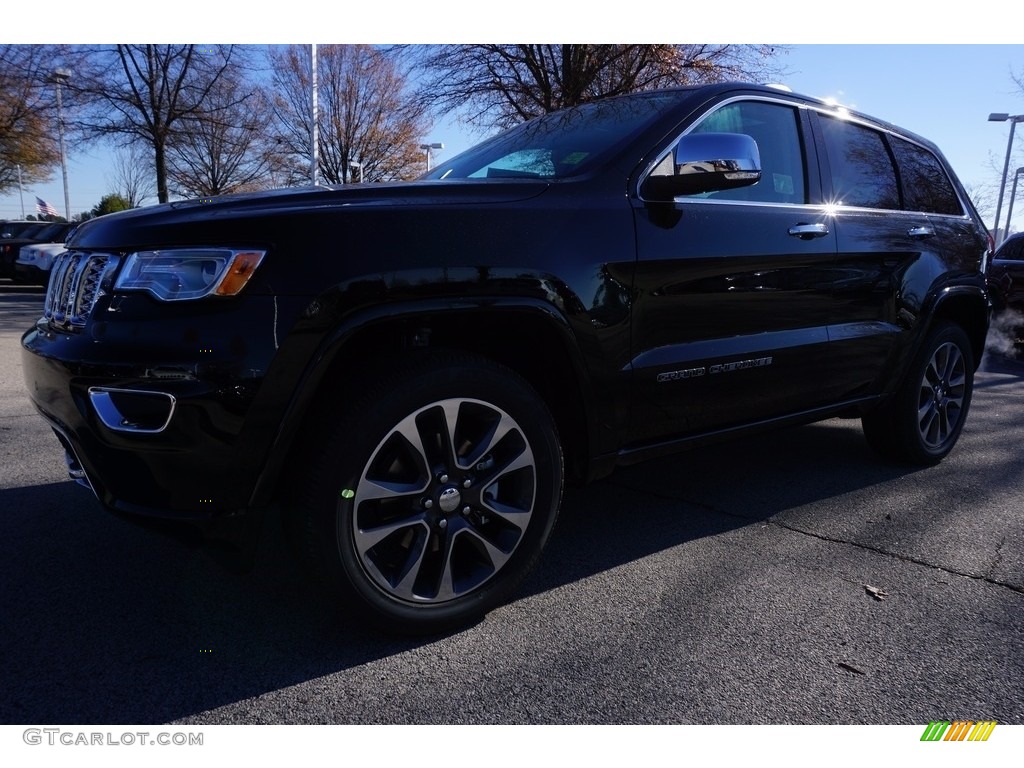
(733, 291)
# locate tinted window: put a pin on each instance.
(51, 233)
(862, 170)
(776, 129)
(20, 229)
(1012, 249)
(926, 187)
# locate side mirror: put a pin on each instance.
(705, 162)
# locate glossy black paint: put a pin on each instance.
(588, 290)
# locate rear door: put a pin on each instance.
(900, 227)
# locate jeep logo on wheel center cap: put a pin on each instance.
(449, 500)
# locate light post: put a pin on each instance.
(314, 138)
(427, 147)
(1002, 117)
(355, 165)
(1013, 193)
(60, 77)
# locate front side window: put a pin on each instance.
(776, 129)
(863, 174)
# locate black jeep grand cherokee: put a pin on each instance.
(412, 369)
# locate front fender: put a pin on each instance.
(348, 351)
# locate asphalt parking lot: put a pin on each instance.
(790, 578)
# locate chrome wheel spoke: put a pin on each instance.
(451, 409)
(405, 587)
(522, 460)
(444, 501)
(942, 393)
(489, 440)
(402, 579)
(512, 515)
(371, 490)
(409, 430)
(368, 538)
(449, 588)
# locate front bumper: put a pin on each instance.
(183, 430)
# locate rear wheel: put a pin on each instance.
(922, 421)
(431, 498)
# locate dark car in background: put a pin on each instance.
(13, 235)
(408, 372)
(9, 229)
(1006, 287)
(38, 232)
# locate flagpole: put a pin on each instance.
(21, 193)
(60, 77)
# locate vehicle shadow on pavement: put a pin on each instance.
(106, 622)
(705, 492)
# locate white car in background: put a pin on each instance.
(35, 262)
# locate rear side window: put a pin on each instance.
(863, 173)
(926, 186)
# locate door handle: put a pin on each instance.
(808, 231)
(920, 232)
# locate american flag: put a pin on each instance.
(44, 208)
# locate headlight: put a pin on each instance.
(188, 273)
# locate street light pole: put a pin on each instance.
(427, 147)
(1013, 193)
(1002, 117)
(60, 77)
(314, 137)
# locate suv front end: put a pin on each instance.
(148, 387)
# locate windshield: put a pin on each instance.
(560, 144)
(51, 233)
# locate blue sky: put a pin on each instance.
(943, 92)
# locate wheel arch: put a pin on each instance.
(530, 337)
(967, 306)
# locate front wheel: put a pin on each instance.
(433, 495)
(922, 421)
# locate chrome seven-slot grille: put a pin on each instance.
(75, 283)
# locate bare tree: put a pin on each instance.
(367, 114)
(496, 86)
(132, 177)
(28, 128)
(143, 93)
(227, 151)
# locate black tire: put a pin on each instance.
(921, 423)
(433, 494)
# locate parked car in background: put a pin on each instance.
(409, 371)
(13, 235)
(42, 232)
(1006, 286)
(34, 262)
(9, 229)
